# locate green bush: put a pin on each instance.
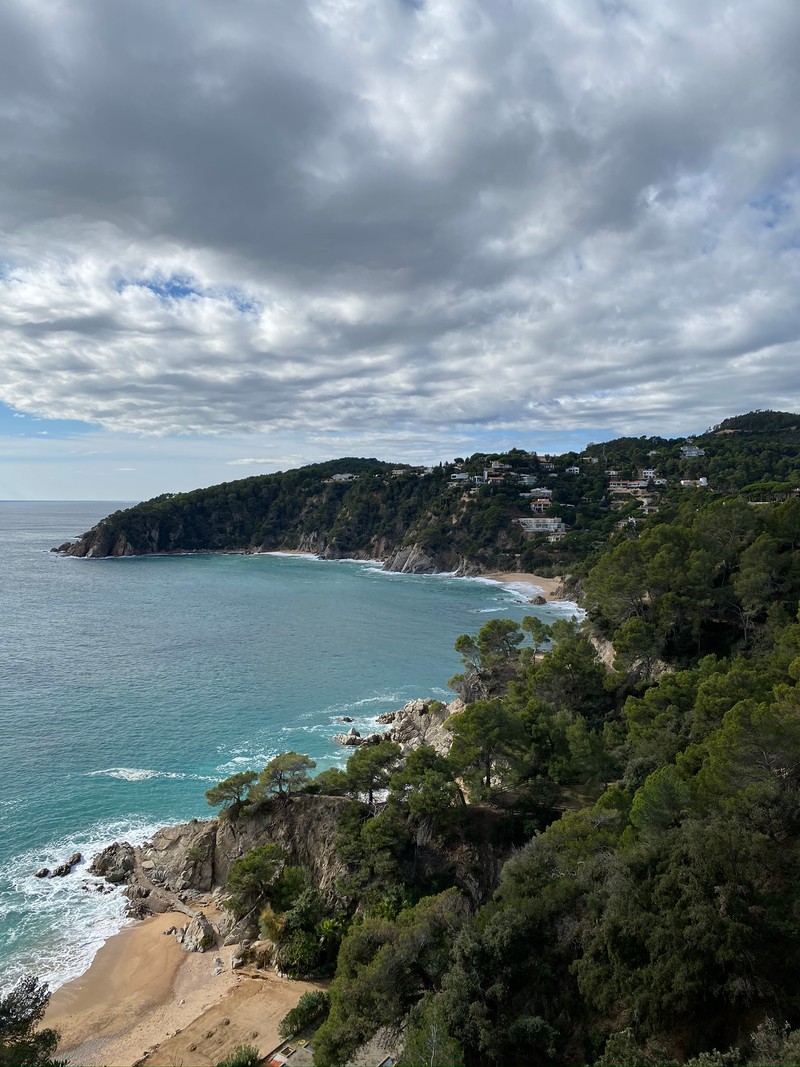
(309, 1008)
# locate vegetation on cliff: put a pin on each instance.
(649, 914)
(603, 868)
(462, 514)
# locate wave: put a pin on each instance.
(53, 927)
(138, 774)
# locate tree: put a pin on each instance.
(284, 775)
(538, 631)
(252, 876)
(310, 1007)
(331, 783)
(483, 734)
(21, 1040)
(426, 784)
(371, 766)
(231, 792)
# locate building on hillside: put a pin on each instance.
(540, 506)
(459, 477)
(343, 477)
(540, 525)
(691, 452)
(701, 483)
(572, 470)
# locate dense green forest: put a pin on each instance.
(364, 507)
(650, 910)
(640, 770)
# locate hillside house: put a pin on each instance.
(540, 525)
(691, 452)
(539, 507)
(573, 470)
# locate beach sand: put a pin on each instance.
(144, 996)
(546, 587)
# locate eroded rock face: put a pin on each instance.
(184, 855)
(421, 722)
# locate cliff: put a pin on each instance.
(417, 522)
(190, 859)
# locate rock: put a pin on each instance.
(115, 863)
(345, 718)
(237, 962)
(387, 718)
(198, 935)
(171, 930)
(421, 722)
(66, 866)
(239, 931)
(352, 737)
(538, 600)
(43, 872)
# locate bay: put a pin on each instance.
(129, 686)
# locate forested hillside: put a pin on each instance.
(465, 515)
(650, 913)
(641, 768)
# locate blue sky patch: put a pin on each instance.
(15, 423)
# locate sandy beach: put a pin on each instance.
(145, 998)
(546, 587)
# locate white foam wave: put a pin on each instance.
(53, 927)
(138, 774)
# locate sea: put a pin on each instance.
(128, 687)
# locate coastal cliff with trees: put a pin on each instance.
(466, 516)
(599, 866)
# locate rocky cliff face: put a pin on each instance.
(196, 857)
(413, 559)
(422, 722)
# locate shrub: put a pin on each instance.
(309, 1008)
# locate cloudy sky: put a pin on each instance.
(238, 237)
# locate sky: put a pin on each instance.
(239, 237)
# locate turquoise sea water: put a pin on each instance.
(129, 686)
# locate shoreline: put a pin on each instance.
(143, 993)
(539, 585)
(143, 998)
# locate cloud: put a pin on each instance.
(250, 462)
(353, 221)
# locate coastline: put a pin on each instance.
(144, 999)
(143, 993)
(538, 585)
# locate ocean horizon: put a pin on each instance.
(130, 686)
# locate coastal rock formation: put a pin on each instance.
(413, 559)
(115, 863)
(190, 859)
(198, 935)
(66, 867)
(421, 722)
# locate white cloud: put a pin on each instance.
(349, 222)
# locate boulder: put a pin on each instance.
(199, 935)
(43, 872)
(66, 866)
(345, 718)
(115, 863)
(352, 737)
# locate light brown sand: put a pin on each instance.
(144, 995)
(546, 587)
